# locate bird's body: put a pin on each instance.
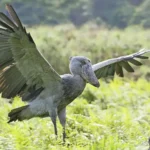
(25, 72)
(72, 87)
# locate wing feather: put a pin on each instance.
(126, 66)
(111, 70)
(4, 25)
(142, 57)
(14, 16)
(116, 65)
(119, 70)
(5, 19)
(135, 62)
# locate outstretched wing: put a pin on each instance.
(109, 67)
(23, 70)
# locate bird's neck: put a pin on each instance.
(79, 81)
(73, 87)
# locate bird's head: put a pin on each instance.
(80, 65)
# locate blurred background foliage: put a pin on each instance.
(114, 13)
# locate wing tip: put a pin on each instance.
(8, 5)
(14, 15)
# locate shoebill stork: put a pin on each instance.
(25, 72)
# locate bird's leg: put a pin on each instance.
(53, 115)
(64, 134)
(54, 123)
(62, 119)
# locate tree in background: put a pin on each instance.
(142, 14)
(114, 13)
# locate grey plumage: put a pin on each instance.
(25, 72)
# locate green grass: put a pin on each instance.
(117, 118)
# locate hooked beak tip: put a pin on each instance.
(97, 85)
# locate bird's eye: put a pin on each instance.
(83, 62)
(89, 60)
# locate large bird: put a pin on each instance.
(25, 72)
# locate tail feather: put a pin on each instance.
(15, 114)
